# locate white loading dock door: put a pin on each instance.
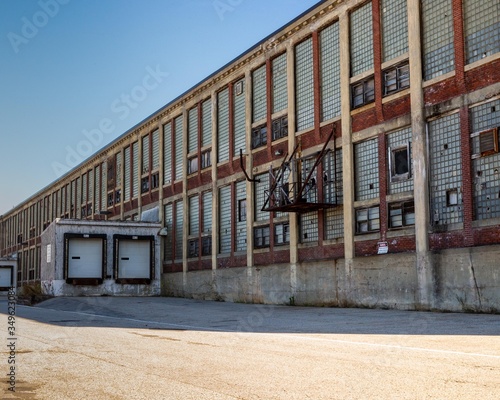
(85, 258)
(134, 259)
(6, 276)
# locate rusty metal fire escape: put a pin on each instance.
(293, 188)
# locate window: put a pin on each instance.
(206, 245)
(366, 170)
(367, 220)
(145, 154)
(282, 234)
(155, 181)
(118, 197)
(110, 199)
(401, 214)
(145, 184)
(193, 165)
(445, 173)
(259, 136)
(223, 125)
(242, 210)
(330, 71)
(239, 117)
(437, 37)
(363, 92)
(206, 159)
(396, 79)
(394, 21)
(280, 128)
(309, 227)
(304, 85)
(481, 29)
(167, 153)
(261, 237)
(399, 163)
(259, 93)
(179, 155)
(193, 130)
(193, 248)
(361, 38)
(261, 186)
(226, 218)
(279, 83)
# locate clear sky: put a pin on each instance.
(71, 67)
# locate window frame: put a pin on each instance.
(206, 245)
(118, 196)
(155, 180)
(193, 248)
(279, 127)
(145, 184)
(406, 208)
(393, 163)
(206, 159)
(368, 220)
(367, 93)
(259, 232)
(259, 136)
(242, 210)
(285, 234)
(193, 165)
(400, 80)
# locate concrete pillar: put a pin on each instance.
(161, 211)
(249, 185)
(139, 173)
(347, 148)
(185, 205)
(293, 217)
(215, 189)
(122, 180)
(424, 267)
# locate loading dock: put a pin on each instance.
(95, 258)
(85, 258)
(8, 271)
(133, 257)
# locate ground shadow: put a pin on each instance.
(162, 313)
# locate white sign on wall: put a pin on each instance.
(383, 247)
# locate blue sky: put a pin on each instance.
(70, 68)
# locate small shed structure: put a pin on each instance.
(95, 258)
(8, 273)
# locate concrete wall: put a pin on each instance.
(467, 279)
(52, 268)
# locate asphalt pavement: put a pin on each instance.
(170, 348)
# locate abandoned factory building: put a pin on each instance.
(351, 158)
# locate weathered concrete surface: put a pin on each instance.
(53, 282)
(465, 280)
(160, 348)
(469, 279)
